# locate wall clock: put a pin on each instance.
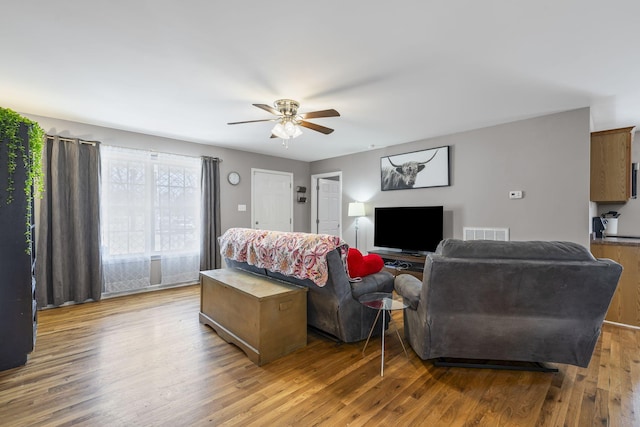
(233, 178)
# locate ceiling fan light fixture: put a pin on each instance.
(286, 129)
(279, 131)
(292, 129)
(289, 128)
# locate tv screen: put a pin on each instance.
(410, 229)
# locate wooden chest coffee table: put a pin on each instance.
(265, 318)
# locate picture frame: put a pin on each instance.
(416, 169)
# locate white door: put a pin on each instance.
(328, 206)
(321, 205)
(271, 200)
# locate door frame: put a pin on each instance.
(290, 175)
(314, 199)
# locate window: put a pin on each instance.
(150, 218)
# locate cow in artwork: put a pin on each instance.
(402, 176)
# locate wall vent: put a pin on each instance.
(485, 233)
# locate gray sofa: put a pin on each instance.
(508, 301)
(334, 308)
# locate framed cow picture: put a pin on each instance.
(418, 169)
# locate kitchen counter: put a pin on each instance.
(620, 241)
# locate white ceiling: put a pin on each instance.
(397, 71)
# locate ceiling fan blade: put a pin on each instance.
(316, 127)
(252, 121)
(323, 113)
(268, 108)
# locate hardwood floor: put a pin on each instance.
(145, 360)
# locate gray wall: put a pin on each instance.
(545, 157)
(232, 160)
(629, 221)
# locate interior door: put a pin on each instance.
(328, 206)
(272, 200)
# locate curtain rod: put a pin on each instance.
(141, 149)
(82, 141)
(156, 152)
(214, 158)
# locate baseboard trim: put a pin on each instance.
(107, 295)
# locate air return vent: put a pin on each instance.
(483, 233)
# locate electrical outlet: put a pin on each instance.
(515, 194)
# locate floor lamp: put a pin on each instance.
(356, 209)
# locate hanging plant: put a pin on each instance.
(10, 123)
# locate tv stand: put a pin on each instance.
(402, 262)
(412, 254)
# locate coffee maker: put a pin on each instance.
(598, 227)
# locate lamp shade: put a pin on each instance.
(286, 129)
(296, 132)
(279, 131)
(356, 209)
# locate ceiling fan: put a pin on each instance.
(289, 121)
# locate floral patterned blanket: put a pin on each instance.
(301, 255)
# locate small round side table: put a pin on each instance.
(384, 303)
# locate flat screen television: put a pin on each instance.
(411, 229)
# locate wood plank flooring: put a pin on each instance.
(145, 360)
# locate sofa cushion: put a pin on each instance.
(361, 266)
(532, 250)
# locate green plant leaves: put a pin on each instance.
(10, 123)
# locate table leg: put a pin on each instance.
(382, 362)
(371, 331)
(398, 334)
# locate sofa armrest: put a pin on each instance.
(377, 282)
(409, 288)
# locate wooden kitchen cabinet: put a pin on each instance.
(611, 165)
(625, 305)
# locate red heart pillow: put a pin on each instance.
(360, 266)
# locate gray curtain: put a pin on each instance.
(68, 265)
(210, 214)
